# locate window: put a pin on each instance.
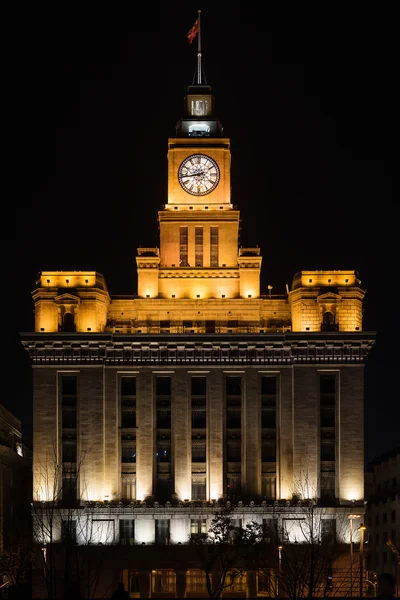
(268, 485)
(233, 386)
(385, 518)
(162, 531)
(198, 234)
(270, 531)
(328, 531)
(233, 419)
(268, 450)
(237, 581)
(183, 247)
(199, 452)
(128, 418)
(68, 322)
(163, 452)
(196, 581)
(266, 582)
(268, 418)
(69, 417)
(199, 419)
(210, 326)
(393, 515)
(69, 385)
(165, 326)
(234, 487)
(328, 484)
(128, 488)
(198, 386)
(233, 452)
(328, 322)
(69, 450)
(69, 488)
(134, 582)
(68, 531)
(128, 453)
(199, 489)
(163, 386)
(128, 386)
(163, 416)
(198, 526)
(213, 246)
(163, 581)
(127, 532)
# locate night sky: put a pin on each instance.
(306, 97)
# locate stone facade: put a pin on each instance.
(200, 389)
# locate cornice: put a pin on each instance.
(198, 349)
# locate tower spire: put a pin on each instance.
(199, 82)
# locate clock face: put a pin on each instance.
(198, 174)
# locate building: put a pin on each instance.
(151, 410)
(383, 515)
(15, 483)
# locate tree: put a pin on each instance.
(305, 546)
(63, 526)
(226, 550)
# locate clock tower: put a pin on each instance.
(199, 255)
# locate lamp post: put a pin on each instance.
(362, 529)
(279, 569)
(351, 517)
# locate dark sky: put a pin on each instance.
(307, 99)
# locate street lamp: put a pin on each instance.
(362, 529)
(279, 568)
(351, 517)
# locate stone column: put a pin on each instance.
(180, 418)
(145, 435)
(145, 584)
(251, 587)
(180, 583)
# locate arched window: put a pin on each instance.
(68, 322)
(328, 322)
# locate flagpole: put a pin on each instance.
(199, 53)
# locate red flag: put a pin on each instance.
(193, 31)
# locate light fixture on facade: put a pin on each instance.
(249, 295)
(147, 295)
(307, 329)
(172, 295)
(89, 329)
(223, 296)
(197, 295)
(42, 329)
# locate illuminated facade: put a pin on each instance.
(201, 388)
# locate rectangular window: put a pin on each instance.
(199, 452)
(198, 386)
(163, 386)
(234, 487)
(267, 582)
(163, 581)
(183, 247)
(233, 386)
(165, 326)
(128, 387)
(328, 484)
(128, 488)
(162, 531)
(127, 532)
(199, 489)
(196, 581)
(68, 531)
(128, 453)
(268, 487)
(69, 488)
(327, 421)
(237, 581)
(214, 247)
(69, 450)
(328, 531)
(163, 402)
(270, 531)
(268, 450)
(233, 452)
(198, 526)
(134, 582)
(198, 235)
(128, 418)
(199, 419)
(163, 451)
(69, 386)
